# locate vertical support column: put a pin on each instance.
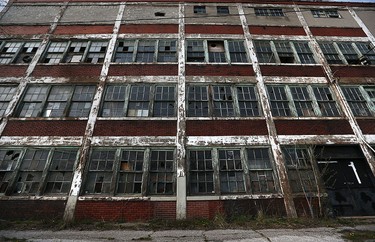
(362, 25)
(365, 147)
(78, 172)
(272, 135)
(181, 120)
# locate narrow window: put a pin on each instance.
(349, 53)
(231, 171)
(223, 101)
(162, 179)
(145, 51)
(131, 170)
(284, 51)
(167, 51)
(81, 101)
(330, 53)
(100, 174)
(8, 161)
(264, 52)
(222, 10)
(198, 101)
(55, 52)
(6, 95)
(195, 51)
(159, 14)
(260, 169)
(114, 101)
(139, 101)
(329, 13)
(302, 101)
(356, 101)
(96, 52)
(326, 102)
(279, 101)
(164, 104)
(237, 51)
(199, 9)
(124, 51)
(201, 180)
(216, 51)
(76, 52)
(304, 52)
(247, 101)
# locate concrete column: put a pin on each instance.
(272, 135)
(181, 120)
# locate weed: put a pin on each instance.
(358, 235)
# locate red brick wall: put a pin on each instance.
(135, 128)
(204, 209)
(367, 125)
(291, 70)
(219, 70)
(83, 29)
(143, 70)
(353, 71)
(67, 70)
(225, 127)
(31, 209)
(45, 128)
(12, 70)
(349, 32)
(303, 209)
(276, 30)
(251, 207)
(213, 29)
(164, 210)
(312, 127)
(24, 29)
(148, 28)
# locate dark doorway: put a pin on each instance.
(348, 180)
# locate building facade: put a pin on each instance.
(137, 110)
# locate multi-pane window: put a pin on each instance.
(146, 50)
(352, 53)
(284, 52)
(275, 12)
(216, 51)
(8, 162)
(143, 100)
(261, 174)
(17, 51)
(6, 95)
(300, 171)
(75, 52)
(57, 163)
(199, 9)
(301, 101)
(224, 101)
(231, 171)
(201, 172)
(325, 13)
(360, 100)
(57, 101)
(222, 10)
(131, 171)
(162, 173)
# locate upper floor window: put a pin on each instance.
(351, 53)
(142, 100)
(6, 95)
(222, 101)
(284, 52)
(361, 99)
(216, 51)
(222, 10)
(57, 101)
(17, 51)
(301, 101)
(325, 13)
(269, 12)
(199, 9)
(146, 51)
(75, 52)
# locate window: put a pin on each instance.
(325, 13)
(284, 52)
(199, 9)
(75, 52)
(222, 10)
(201, 172)
(17, 51)
(144, 100)
(300, 171)
(360, 99)
(8, 162)
(57, 101)
(216, 51)
(261, 174)
(302, 101)
(330, 53)
(226, 101)
(131, 171)
(231, 171)
(146, 51)
(6, 95)
(274, 12)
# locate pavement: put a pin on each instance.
(228, 235)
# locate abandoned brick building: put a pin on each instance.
(134, 110)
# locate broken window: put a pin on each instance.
(164, 104)
(285, 52)
(167, 51)
(145, 51)
(161, 178)
(6, 95)
(302, 101)
(216, 51)
(248, 101)
(139, 101)
(330, 53)
(223, 101)
(355, 96)
(231, 171)
(279, 101)
(198, 101)
(17, 52)
(367, 53)
(8, 161)
(114, 101)
(75, 52)
(57, 101)
(326, 102)
(304, 53)
(237, 51)
(261, 173)
(195, 51)
(274, 12)
(300, 171)
(348, 52)
(264, 52)
(199, 9)
(222, 10)
(125, 51)
(201, 172)
(131, 171)
(325, 13)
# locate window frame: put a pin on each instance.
(269, 12)
(325, 13)
(199, 9)
(222, 10)
(7, 93)
(363, 97)
(22, 54)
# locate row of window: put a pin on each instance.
(152, 171)
(205, 51)
(151, 100)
